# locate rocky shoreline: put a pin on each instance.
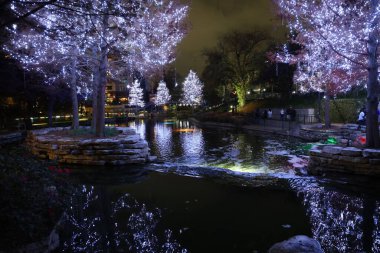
(125, 148)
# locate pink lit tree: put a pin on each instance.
(349, 33)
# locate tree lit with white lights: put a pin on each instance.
(192, 90)
(348, 32)
(136, 96)
(112, 39)
(163, 95)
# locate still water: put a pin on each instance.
(216, 191)
(180, 142)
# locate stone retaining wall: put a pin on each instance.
(125, 148)
(346, 135)
(11, 138)
(349, 160)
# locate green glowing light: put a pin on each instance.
(331, 140)
(306, 147)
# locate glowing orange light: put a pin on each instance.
(184, 130)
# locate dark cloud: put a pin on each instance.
(212, 18)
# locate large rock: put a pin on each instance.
(334, 150)
(371, 153)
(297, 244)
(351, 151)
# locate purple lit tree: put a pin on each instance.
(319, 69)
(55, 60)
(115, 37)
(349, 30)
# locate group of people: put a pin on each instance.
(267, 114)
(288, 114)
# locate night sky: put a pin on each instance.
(210, 19)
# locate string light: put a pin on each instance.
(192, 93)
(163, 96)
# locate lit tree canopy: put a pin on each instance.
(135, 97)
(237, 61)
(349, 32)
(113, 38)
(163, 96)
(192, 90)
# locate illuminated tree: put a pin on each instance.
(192, 90)
(116, 37)
(136, 96)
(349, 30)
(153, 40)
(236, 61)
(55, 60)
(319, 69)
(163, 96)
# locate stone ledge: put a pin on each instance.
(125, 148)
(349, 160)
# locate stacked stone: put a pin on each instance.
(11, 138)
(125, 148)
(345, 135)
(349, 160)
(311, 134)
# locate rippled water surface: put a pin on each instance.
(216, 191)
(180, 142)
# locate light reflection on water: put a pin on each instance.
(166, 213)
(341, 221)
(181, 142)
(97, 223)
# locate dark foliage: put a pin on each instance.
(32, 197)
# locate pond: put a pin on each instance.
(181, 142)
(214, 190)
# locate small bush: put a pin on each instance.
(344, 110)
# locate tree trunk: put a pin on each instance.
(327, 111)
(51, 103)
(103, 65)
(73, 92)
(372, 133)
(101, 97)
(95, 85)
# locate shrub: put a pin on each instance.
(343, 110)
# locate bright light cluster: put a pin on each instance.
(136, 96)
(333, 38)
(163, 95)
(134, 35)
(192, 90)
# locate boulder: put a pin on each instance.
(371, 153)
(334, 150)
(351, 151)
(297, 244)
